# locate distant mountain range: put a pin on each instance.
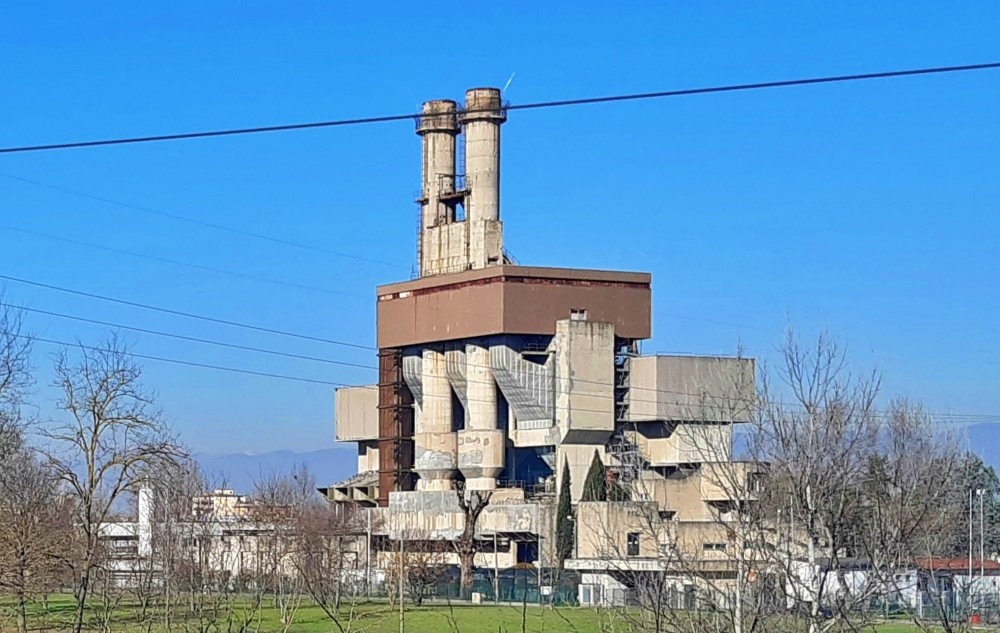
(239, 471)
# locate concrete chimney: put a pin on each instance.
(438, 128)
(482, 116)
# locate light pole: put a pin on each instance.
(982, 537)
(970, 537)
(400, 571)
(368, 556)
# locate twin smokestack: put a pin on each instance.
(446, 244)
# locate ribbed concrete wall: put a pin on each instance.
(528, 387)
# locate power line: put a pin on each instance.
(187, 363)
(184, 337)
(175, 262)
(524, 106)
(343, 344)
(787, 83)
(197, 222)
(188, 315)
(951, 418)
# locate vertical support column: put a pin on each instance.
(481, 444)
(435, 442)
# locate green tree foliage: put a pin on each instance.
(595, 486)
(618, 492)
(564, 519)
(977, 475)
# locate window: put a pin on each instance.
(633, 543)
(755, 482)
(577, 314)
(714, 547)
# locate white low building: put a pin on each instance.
(226, 535)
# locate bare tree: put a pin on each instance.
(15, 360)
(472, 503)
(912, 505)
(326, 560)
(857, 492)
(826, 514)
(35, 530)
(170, 568)
(282, 502)
(419, 567)
(158, 576)
(110, 437)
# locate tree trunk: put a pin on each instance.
(82, 593)
(738, 599)
(22, 612)
(814, 570)
(466, 558)
(22, 598)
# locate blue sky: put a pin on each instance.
(867, 209)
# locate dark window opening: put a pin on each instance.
(633, 543)
(457, 413)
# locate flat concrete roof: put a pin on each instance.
(507, 270)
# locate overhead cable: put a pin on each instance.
(288, 127)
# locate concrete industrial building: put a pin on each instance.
(501, 375)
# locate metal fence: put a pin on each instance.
(508, 586)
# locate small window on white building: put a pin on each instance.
(577, 314)
(714, 547)
(632, 543)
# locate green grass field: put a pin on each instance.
(368, 618)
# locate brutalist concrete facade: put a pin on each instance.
(494, 377)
